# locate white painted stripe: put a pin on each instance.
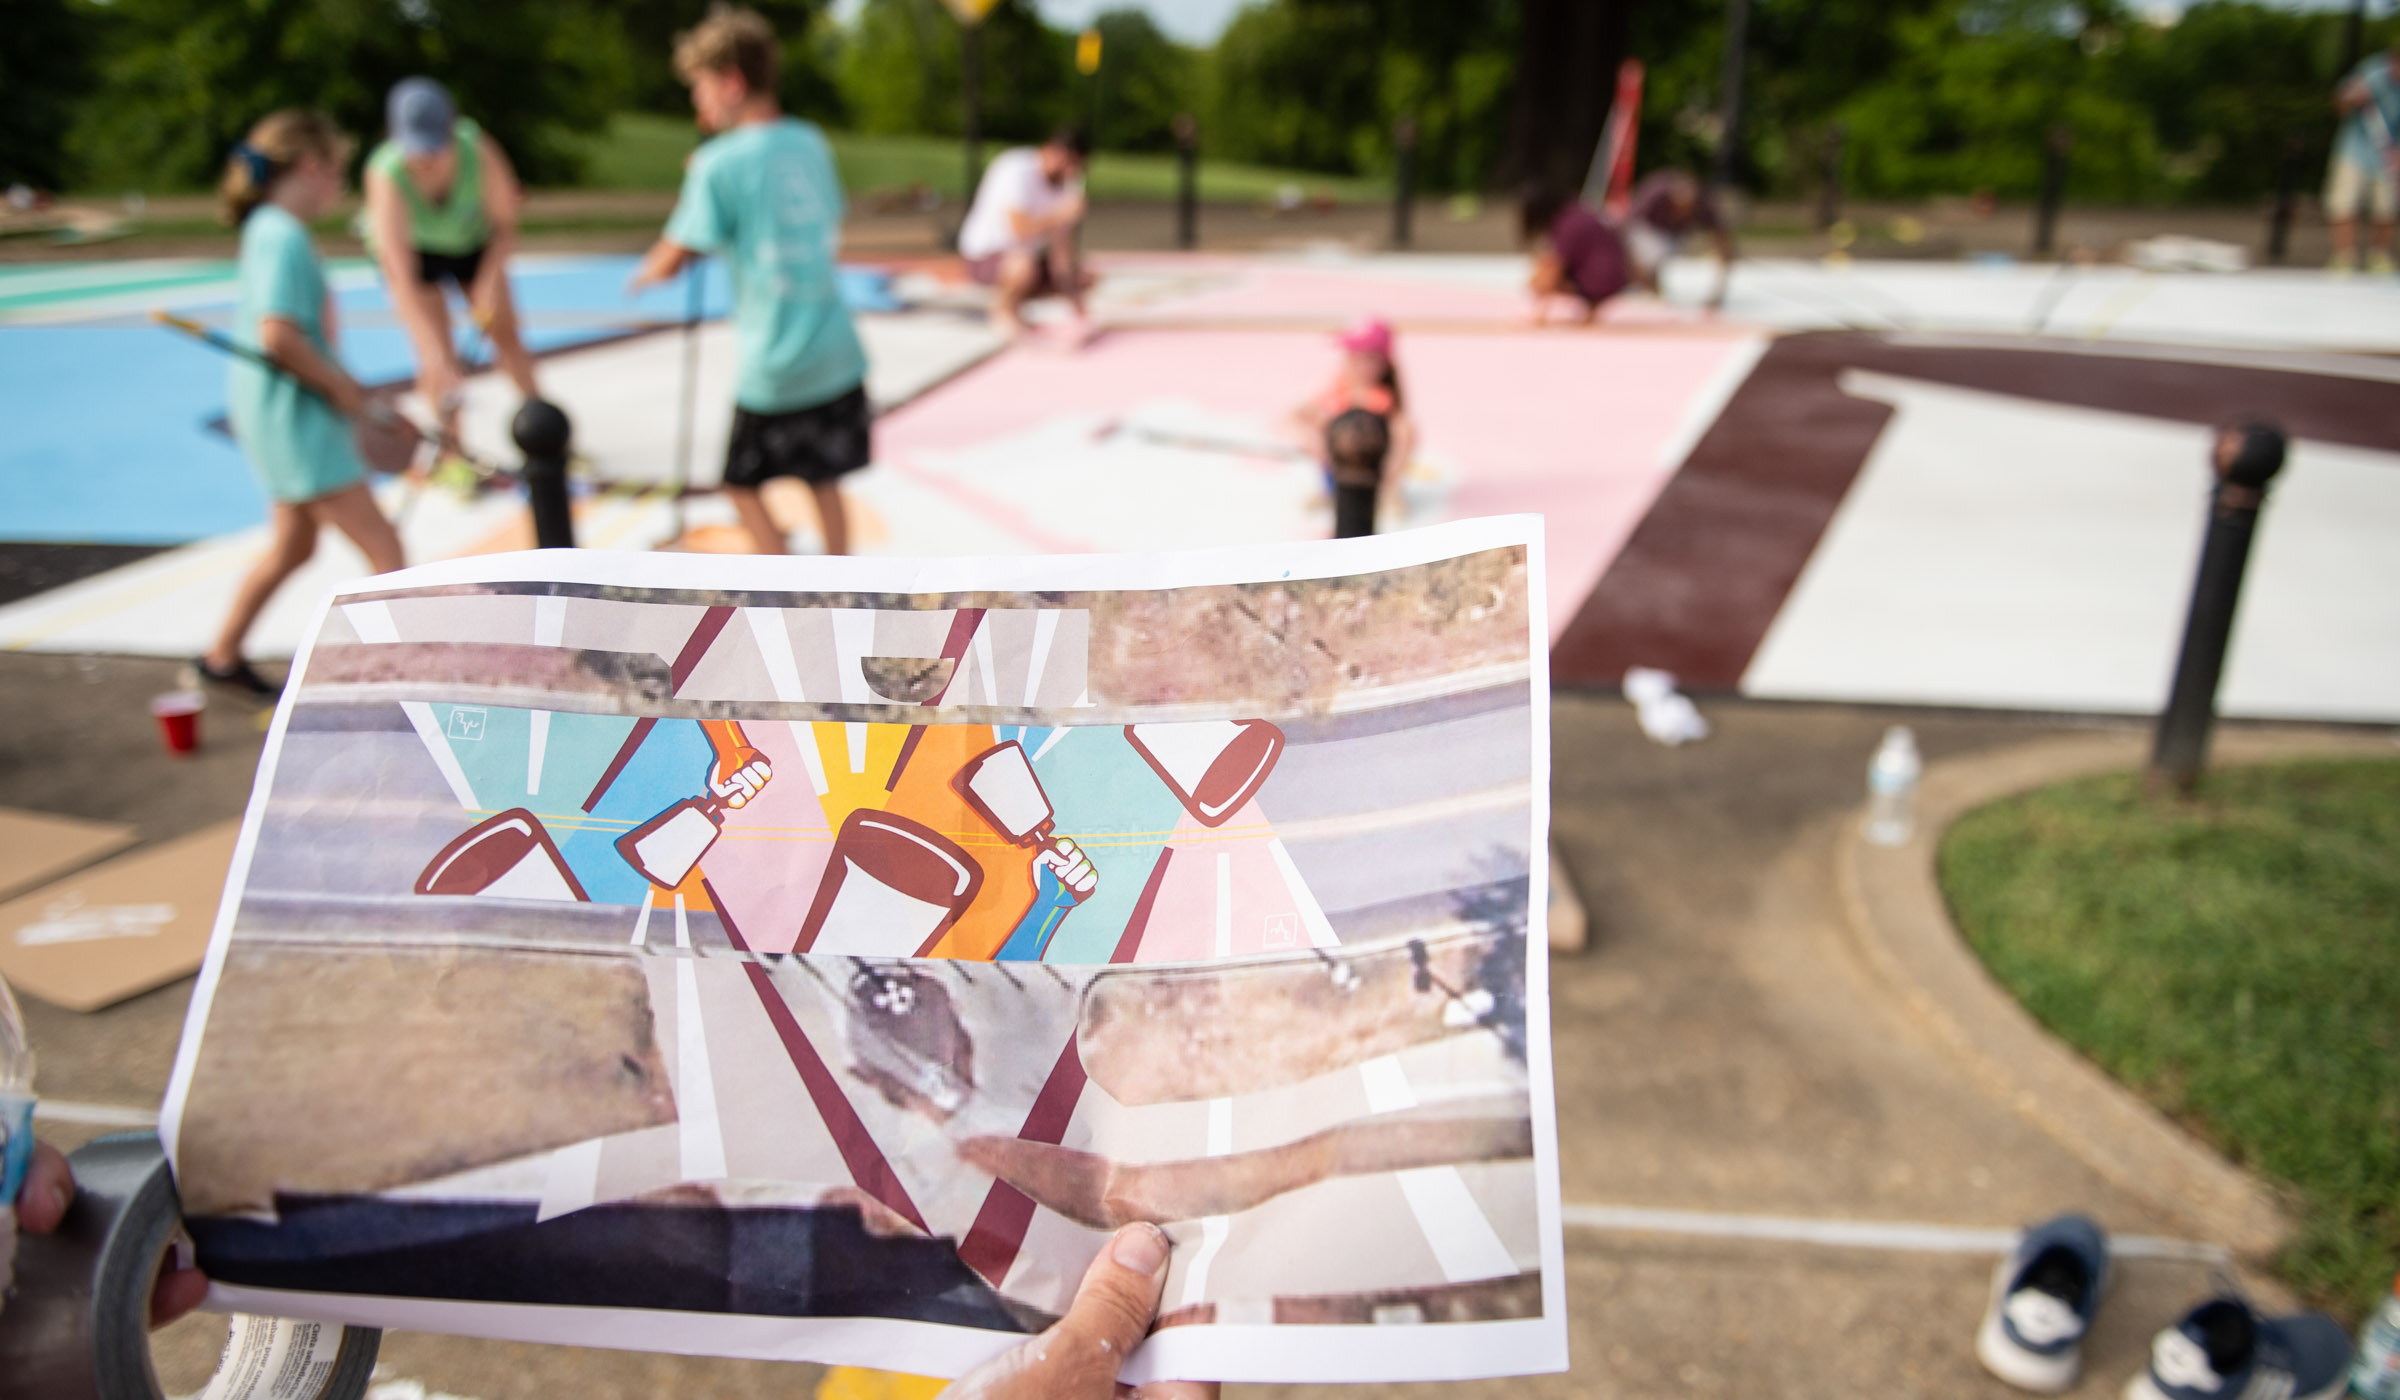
(420, 714)
(537, 744)
(853, 638)
(372, 621)
(94, 1115)
(1312, 914)
(683, 927)
(1045, 629)
(1224, 905)
(699, 1135)
(1896, 1235)
(1051, 742)
(1464, 1244)
(549, 620)
(983, 666)
(1215, 1229)
(573, 1182)
(641, 923)
(783, 674)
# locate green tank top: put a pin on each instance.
(456, 225)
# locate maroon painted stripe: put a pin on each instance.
(954, 648)
(867, 1164)
(999, 1230)
(687, 661)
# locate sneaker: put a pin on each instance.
(240, 676)
(2043, 1297)
(2224, 1350)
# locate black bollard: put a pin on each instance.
(1404, 179)
(2054, 188)
(2287, 187)
(543, 435)
(1187, 181)
(2247, 456)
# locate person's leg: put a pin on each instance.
(765, 538)
(832, 516)
(1020, 272)
(292, 538)
(496, 307)
(352, 510)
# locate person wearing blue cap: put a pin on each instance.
(442, 207)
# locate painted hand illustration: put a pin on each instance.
(739, 771)
(999, 784)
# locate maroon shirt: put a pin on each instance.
(1590, 252)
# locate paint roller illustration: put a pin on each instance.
(1000, 785)
(505, 856)
(1212, 766)
(892, 887)
(666, 847)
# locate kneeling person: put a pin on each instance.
(1019, 237)
(763, 193)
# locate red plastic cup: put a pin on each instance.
(178, 714)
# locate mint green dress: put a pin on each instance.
(766, 197)
(300, 448)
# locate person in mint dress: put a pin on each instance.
(294, 421)
(762, 193)
(442, 209)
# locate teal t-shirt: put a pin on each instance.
(2363, 137)
(300, 448)
(765, 197)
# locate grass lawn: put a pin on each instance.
(645, 152)
(2236, 959)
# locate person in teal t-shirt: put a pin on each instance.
(763, 194)
(2365, 174)
(291, 421)
(442, 207)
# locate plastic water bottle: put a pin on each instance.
(16, 1128)
(2375, 1375)
(1892, 788)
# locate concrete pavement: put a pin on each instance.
(1723, 1047)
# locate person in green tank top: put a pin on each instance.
(442, 207)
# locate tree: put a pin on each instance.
(1568, 52)
(1145, 78)
(181, 80)
(45, 59)
(900, 71)
(651, 26)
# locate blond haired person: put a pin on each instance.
(292, 421)
(762, 193)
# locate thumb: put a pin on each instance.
(1078, 1358)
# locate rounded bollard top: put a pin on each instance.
(2249, 452)
(541, 430)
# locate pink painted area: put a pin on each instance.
(765, 867)
(1570, 424)
(1183, 922)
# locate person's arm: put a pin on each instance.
(665, 258)
(1547, 279)
(694, 228)
(290, 348)
(387, 215)
(503, 197)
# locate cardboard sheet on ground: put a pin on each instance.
(34, 846)
(119, 928)
(817, 958)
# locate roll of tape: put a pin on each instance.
(78, 1321)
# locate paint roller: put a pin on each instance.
(999, 784)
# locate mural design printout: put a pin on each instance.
(818, 958)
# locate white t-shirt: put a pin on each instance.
(1012, 183)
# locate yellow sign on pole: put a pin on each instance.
(971, 11)
(1087, 52)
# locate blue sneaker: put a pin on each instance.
(2223, 1350)
(2043, 1297)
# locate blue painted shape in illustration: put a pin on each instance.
(1117, 810)
(671, 764)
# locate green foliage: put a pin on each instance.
(1145, 79)
(899, 71)
(181, 80)
(2236, 959)
(45, 57)
(1322, 84)
(650, 28)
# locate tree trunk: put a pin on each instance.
(1566, 76)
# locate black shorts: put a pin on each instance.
(460, 269)
(815, 444)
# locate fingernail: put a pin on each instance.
(1141, 1248)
